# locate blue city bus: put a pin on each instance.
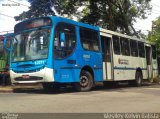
(54, 50)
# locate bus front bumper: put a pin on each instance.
(44, 75)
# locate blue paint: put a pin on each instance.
(27, 66)
(64, 71)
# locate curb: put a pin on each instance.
(6, 89)
(11, 89)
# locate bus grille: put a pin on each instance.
(31, 78)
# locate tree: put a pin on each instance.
(154, 35)
(116, 15)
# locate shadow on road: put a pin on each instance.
(118, 87)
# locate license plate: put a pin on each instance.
(25, 76)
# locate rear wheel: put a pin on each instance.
(86, 81)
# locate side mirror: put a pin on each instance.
(62, 39)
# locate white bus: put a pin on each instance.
(127, 58)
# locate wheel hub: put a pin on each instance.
(84, 81)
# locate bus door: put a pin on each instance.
(149, 61)
(154, 61)
(107, 57)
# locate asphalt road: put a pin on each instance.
(100, 100)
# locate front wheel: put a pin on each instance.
(86, 81)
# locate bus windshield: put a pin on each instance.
(31, 45)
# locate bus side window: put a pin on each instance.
(154, 52)
(141, 51)
(125, 46)
(89, 39)
(116, 45)
(134, 48)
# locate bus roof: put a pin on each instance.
(56, 19)
(125, 36)
(61, 19)
(120, 34)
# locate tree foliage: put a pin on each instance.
(116, 15)
(154, 35)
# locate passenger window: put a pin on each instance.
(125, 50)
(89, 39)
(134, 48)
(116, 45)
(141, 50)
(154, 52)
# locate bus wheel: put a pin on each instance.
(138, 80)
(86, 81)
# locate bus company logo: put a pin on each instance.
(86, 56)
(123, 61)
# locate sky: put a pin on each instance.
(145, 25)
(11, 8)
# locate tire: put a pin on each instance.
(51, 86)
(86, 82)
(138, 79)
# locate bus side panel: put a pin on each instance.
(68, 70)
(71, 72)
(122, 68)
(69, 75)
(125, 67)
(92, 60)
